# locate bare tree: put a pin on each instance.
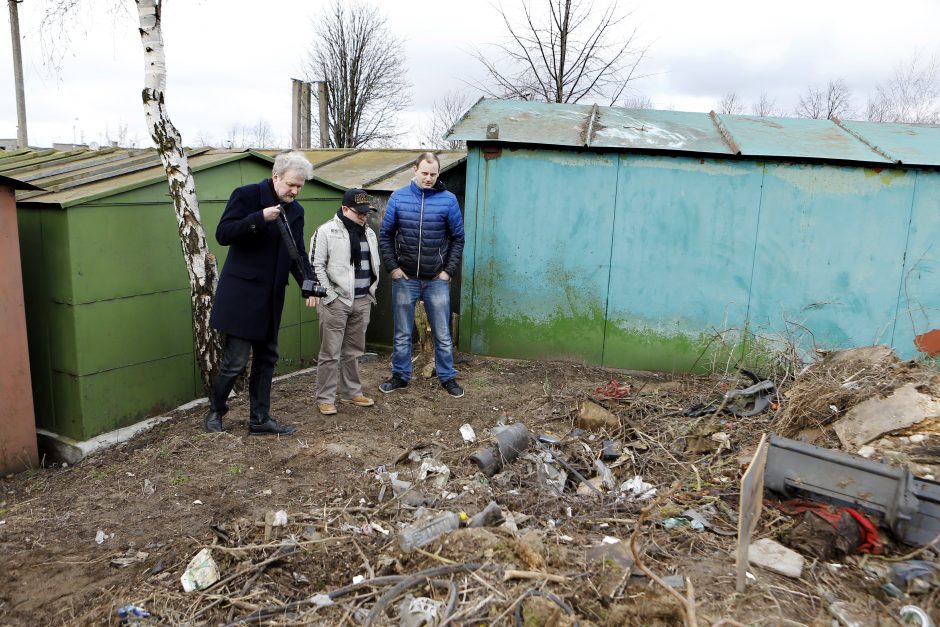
(731, 104)
(364, 64)
(200, 263)
(576, 52)
(204, 138)
(833, 102)
(636, 101)
(765, 106)
(260, 135)
(444, 115)
(912, 94)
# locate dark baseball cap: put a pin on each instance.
(358, 201)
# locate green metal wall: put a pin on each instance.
(670, 262)
(108, 302)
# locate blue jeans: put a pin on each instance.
(234, 360)
(436, 297)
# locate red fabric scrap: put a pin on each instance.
(613, 390)
(871, 541)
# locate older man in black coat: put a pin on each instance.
(250, 295)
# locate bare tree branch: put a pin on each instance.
(911, 95)
(445, 114)
(568, 56)
(731, 104)
(833, 102)
(765, 106)
(364, 66)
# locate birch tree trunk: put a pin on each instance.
(200, 263)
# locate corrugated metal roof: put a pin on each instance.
(76, 176)
(539, 123)
(374, 170)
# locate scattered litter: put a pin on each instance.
(892, 590)
(321, 600)
(467, 433)
(434, 473)
(912, 611)
(415, 612)
(609, 451)
(427, 531)
(511, 441)
(276, 519)
(605, 475)
(131, 615)
(197, 502)
(101, 536)
(915, 576)
(300, 579)
(148, 488)
(775, 557)
(131, 557)
(201, 572)
(828, 532)
(637, 489)
(678, 522)
(612, 391)
(489, 516)
(358, 579)
(548, 438)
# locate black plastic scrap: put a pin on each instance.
(510, 442)
(763, 392)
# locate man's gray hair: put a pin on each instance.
(292, 161)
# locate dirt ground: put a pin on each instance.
(158, 499)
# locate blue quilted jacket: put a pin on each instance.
(422, 232)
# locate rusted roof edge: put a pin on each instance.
(876, 149)
(725, 133)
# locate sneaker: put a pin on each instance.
(395, 383)
(453, 388)
(270, 426)
(327, 409)
(361, 401)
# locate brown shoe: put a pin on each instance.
(361, 401)
(327, 409)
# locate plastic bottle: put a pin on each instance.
(427, 531)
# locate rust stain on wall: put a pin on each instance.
(929, 342)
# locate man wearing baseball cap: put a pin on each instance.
(344, 253)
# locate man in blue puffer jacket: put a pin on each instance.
(421, 241)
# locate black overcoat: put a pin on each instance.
(250, 296)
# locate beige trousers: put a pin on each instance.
(342, 342)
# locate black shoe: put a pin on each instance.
(453, 388)
(269, 427)
(395, 383)
(213, 422)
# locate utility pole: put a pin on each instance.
(21, 140)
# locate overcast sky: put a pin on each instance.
(230, 62)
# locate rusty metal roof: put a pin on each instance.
(586, 126)
(72, 177)
(374, 170)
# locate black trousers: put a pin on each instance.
(234, 360)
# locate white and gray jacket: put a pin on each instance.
(329, 256)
